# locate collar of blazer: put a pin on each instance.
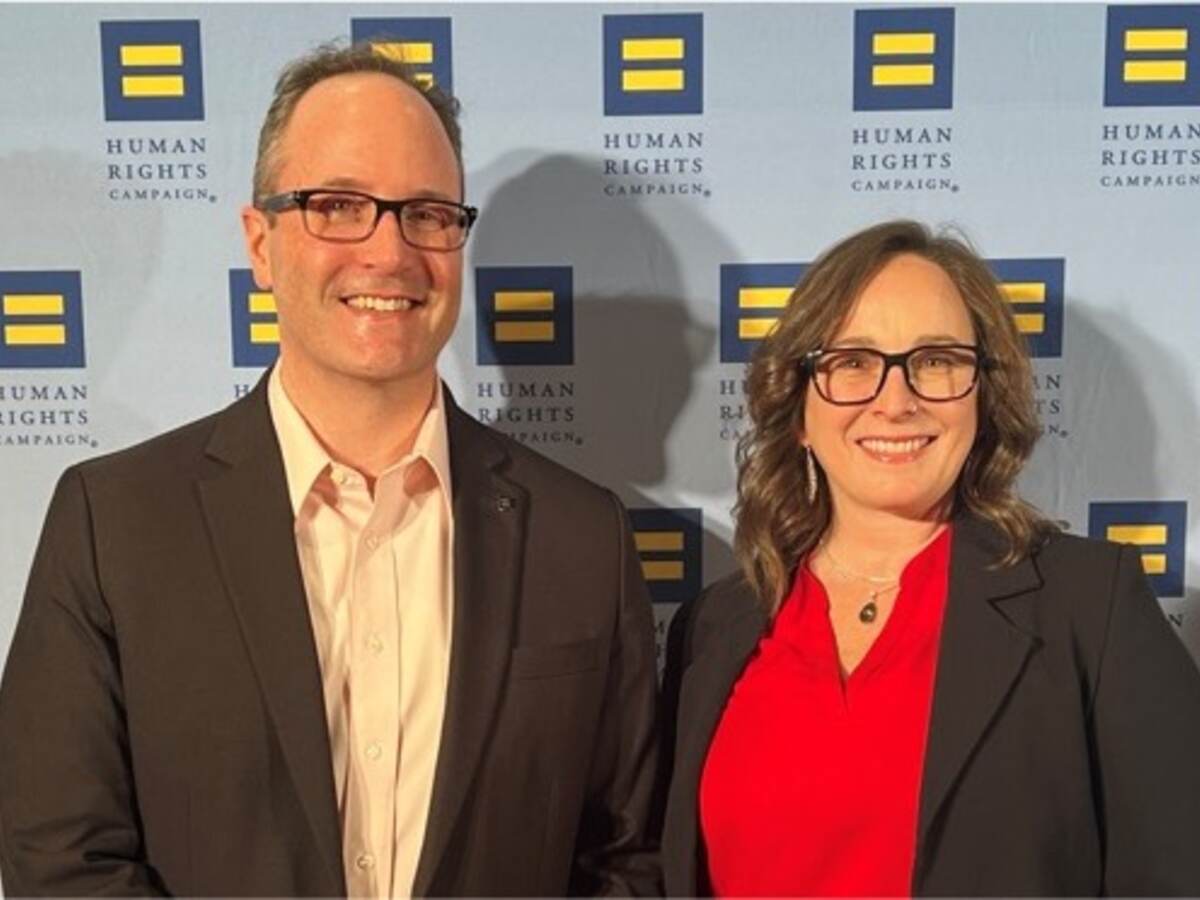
(251, 524)
(990, 628)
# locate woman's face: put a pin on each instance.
(898, 453)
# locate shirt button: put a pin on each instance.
(374, 750)
(372, 541)
(365, 862)
(375, 644)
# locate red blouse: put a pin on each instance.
(811, 785)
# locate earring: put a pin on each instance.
(810, 471)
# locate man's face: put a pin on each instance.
(372, 133)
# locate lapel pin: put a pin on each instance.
(504, 504)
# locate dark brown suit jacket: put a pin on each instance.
(1064, 749)
(161, 716)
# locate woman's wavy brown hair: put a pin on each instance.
(776, 525)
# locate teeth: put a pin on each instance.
(381, 304)
(878, 445)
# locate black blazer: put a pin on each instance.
(1064, 748)
(161, 716)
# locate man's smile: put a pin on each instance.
(382, 304)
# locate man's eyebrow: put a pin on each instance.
(354, 184)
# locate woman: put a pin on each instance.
(917, 684)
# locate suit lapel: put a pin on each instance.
(489, 534)
(250, 522)
(987, 636)
(705, 689)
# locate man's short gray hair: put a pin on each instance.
(328, 61)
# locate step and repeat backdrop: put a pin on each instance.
(653, 179)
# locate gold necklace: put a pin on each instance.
(869, 611)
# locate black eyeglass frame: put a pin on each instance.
(299, 199)
(810, 360)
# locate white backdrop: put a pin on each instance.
(652, 177)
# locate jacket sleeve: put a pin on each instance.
(1146, 745)
(68, 811)
(616, 851)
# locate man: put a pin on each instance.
(338, 637)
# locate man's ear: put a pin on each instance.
(255, 228)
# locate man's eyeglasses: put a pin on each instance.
(347, 217)
(846, 376)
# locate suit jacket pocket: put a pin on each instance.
(552, 660)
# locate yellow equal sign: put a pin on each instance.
(133, 55)
(1156, 40)
(652, 50)
(263, 303)
(417, 53)
(1145, 536)
(753, 328)
(524, 331)
(915, 43)
(157, 55)
(1027, 292)
(35, 335)
(1155, 70)
(524, 301)
(660, 542)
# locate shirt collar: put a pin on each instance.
(304, 459)
(433, 444)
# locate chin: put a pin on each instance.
(906, 505)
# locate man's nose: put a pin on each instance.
(386, 247)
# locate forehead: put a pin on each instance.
(366, 128)
(908, 299)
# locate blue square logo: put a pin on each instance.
(524, 316)
(669, 543)
(654, 65)
(152, 71)
(422, 43)
(1152, 56)
(1035, 289)
(753, 296)
(903, 59)
(42, 320)
(254, 320)
(1158, 528)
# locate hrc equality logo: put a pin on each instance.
(668, 544)
(41, 315)
(1035, 288)
(1157, 528)
(654, 64)
(254, 319)
(903, 59)
(753, 296)
(152, 71)
(1152, 56)
(422, 43)
(524, 316)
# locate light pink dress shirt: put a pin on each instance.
(378, 575)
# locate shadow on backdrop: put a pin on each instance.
(1116, 428)
(637, 341)
(57, 218)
